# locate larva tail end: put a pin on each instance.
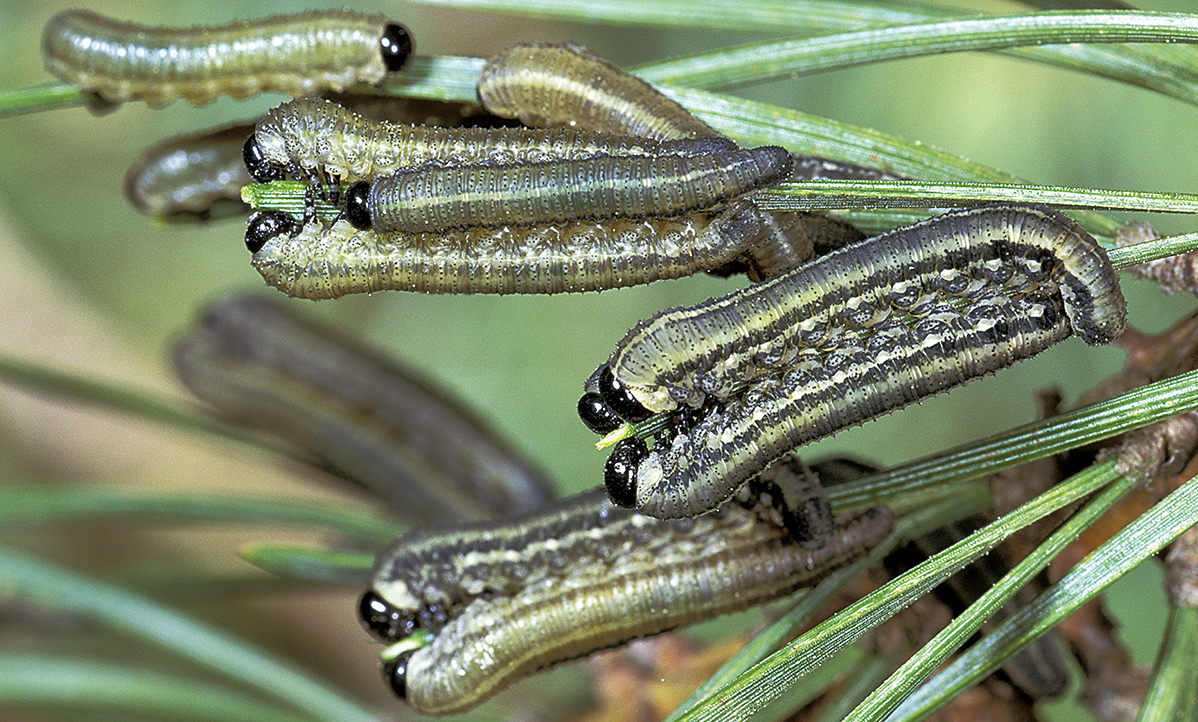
(1096, 308)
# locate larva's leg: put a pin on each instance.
(797, 500)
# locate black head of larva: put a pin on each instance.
(260, 169)
(395, 46)
(620, 399)
(597, 415)
(619, 473)
(395, 672)
(265, 225)
(382, 620)
(357, 211)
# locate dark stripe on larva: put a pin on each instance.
(311, 137)
(428, 200)
(191, 177)
(860, 332)
(551, 86)
(327, 262)
(506, 599)
(297, 54)
(260, 364)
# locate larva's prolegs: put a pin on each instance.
(298, 54)
(860, 332)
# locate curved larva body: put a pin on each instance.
(504, 600)
(191, 177)
(311, 136)
(428, 200)
(551, 86)
(297, 54)
(860, 332)
(262, 365)
(329, 262)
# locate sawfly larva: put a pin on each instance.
(191, 177)
(318, 261)
(504, 599)
(434, 199)
(321, 142)
(860, 332)
(262, 365)
(299, 54)
(549, 86)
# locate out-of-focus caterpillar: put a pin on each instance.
(862, 331)
(260, 364)
(301, 54)
(193, 177)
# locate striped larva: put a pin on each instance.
(261, 365)
(318, 261)
(299, 54)
(432, 199)
(502, 600)
(860, 332)
(550, 86)
(318, 140)
(191, 177)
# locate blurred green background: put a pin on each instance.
(91, 286)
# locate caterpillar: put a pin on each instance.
(427, 200)
(315, 140)
(191, 177)
(317, 261)
(299, 54)
(504, 599)
(260, 364)
(860, 332)
(549, 86)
